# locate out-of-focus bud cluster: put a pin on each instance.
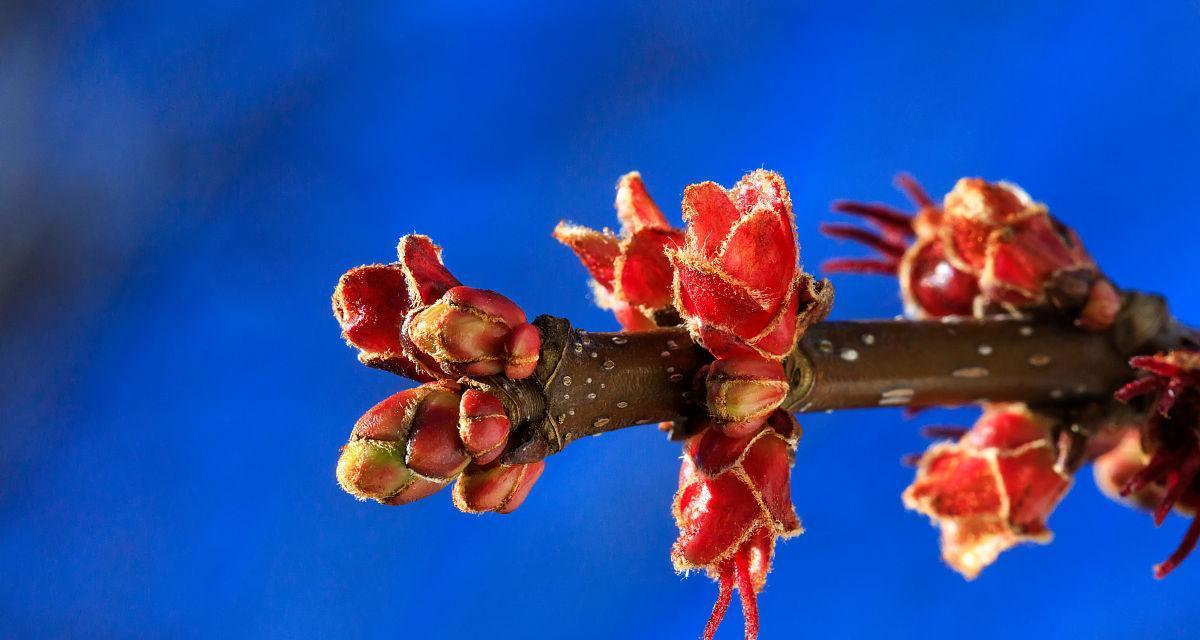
(1157, 467)
(992, 489)
(988, 249)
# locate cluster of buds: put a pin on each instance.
(739, 288)
(987, 249)
(412, 317)
(734, 501)
(992, 489)
(417, 441)
(742, 295)
(733, 278)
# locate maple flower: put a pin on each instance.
(734, 501)
(630, 273)
(738, 283)
(992, 489)
(740, 291)
(988, 248)
(1167, 469)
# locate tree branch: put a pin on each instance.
(589, 383)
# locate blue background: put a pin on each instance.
(182, 183)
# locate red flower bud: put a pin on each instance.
(992, 489)
(470, 332)
(496, 487)
(404, 448)
(741, 393)
(734, 500)
(738, 282)
(631, 272)
(483, 425)
(371, 303)
(990, 248)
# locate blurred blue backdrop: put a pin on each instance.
(181, 184)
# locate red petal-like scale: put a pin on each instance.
(494, 487)
(958, 483)
(434, 448)
(483, 425)
(391, 418)
(716, 452)
(718, 512)
(767, 462)
(428, 278)
(487, 302)
(782, 334)
(709, 215)
(597, 251)
(635, 209)
(524, 484)
(522, 347)
(706, 297)
(992, 489)
(761, 252)
(644, 274)
(370, 302)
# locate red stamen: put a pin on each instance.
(1138, 387)
(1178, 480)
(1155, 365)
(724, 595)
(1181, 553)
(1174, 389)
(745, 585)
(881, 267)
(943, 432)
(1152, 472)
(913, 190)
(883, 216)
(887, 247)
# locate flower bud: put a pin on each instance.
(743, 392)
(469, 332)
(404, 448)
(734, 501)
(483, 425)
(496, 487)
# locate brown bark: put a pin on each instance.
(589, 383)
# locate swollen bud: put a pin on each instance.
(743, 392)
(496, 487)
(483, 425)
(404, 448)
(473, 332)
